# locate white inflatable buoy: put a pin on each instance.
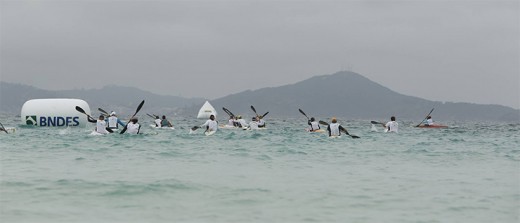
(206, 110)
(54, 112)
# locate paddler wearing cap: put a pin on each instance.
(113, 121)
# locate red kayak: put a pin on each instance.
(432, 126)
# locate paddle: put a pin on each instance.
(152, 116)
(378, 123)
(3, 128)
(103, 111)
(254, 110)
(137, 110)
(341, 129)
(425, 118)
(228, 112)
(79, 109)
(303, 113)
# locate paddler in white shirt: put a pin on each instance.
(261, 122)
(254, 124)
(334, 128)
(211, 124)
(113, 121)
(158, 122)
(392, 125)
(101, 125)
(314, 124)
(231, 121)
(241, 122)
(132, 127)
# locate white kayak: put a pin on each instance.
(208, 133)
(246, 128)
(315, 131)
(10, 130)
(163, 128)
(94, 133)
(228, 127)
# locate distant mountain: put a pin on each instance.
(350, 95)
(343, 94)
(117, 98)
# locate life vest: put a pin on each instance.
(112, 122)
(334, 129)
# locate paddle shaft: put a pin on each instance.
(103, 111)
(425, 118)
(3, 128)
(303, 113)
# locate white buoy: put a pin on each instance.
(54, 112)
(206, 110)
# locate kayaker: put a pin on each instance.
(392, 125)
(261, 122)
(210, 124)
(334, 128)
(429, 121)
(314, 124)
(231, 121)
(158, 121)
(241, 122)
(101, 124)
(113, 121)
(132, 127)
(165, 122)
(254, 124)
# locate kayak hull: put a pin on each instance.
(432, 126)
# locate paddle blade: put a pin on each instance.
(194, 128)
(265, 114)
(103, 111)
(228, 112)
(79, 109)
(355, 137)
(323, 122)
(3, 128)
(253, 108)
(139, 108)
(303, 113)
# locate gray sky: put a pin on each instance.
(460, 51)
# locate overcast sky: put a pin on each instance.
(459, 51)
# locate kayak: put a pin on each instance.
(163, 128)
(228, 127)
(432, 126)
(317, 130)
(10, 130)
(246, 128)
(208, 133)
(94, 133)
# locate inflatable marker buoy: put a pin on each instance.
(54, 112)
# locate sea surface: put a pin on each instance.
(469, 172)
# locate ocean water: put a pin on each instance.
(469, 172)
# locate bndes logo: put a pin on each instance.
(52, 121)
(30, 120)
